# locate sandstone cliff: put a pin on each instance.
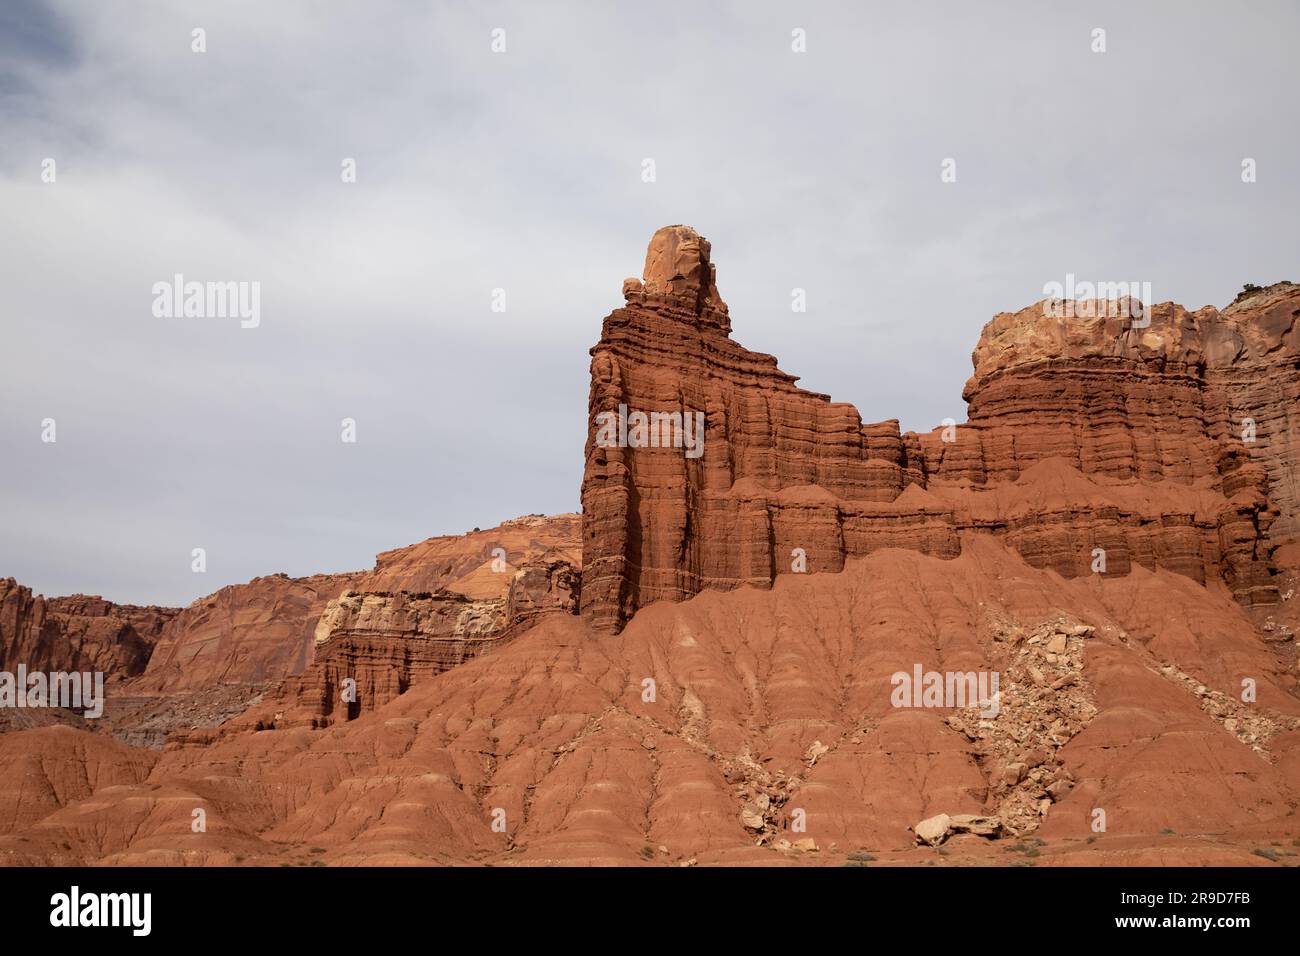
(445, 599)
(373, 646)
(1085, 437)
(244, 633)
(76, 633)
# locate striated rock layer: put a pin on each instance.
(1092, 445)
(1205, 400)
(266, 630)
(186, 669)
(781, 468)
(244, 633)
(371, 647)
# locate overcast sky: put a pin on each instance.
(522, 170)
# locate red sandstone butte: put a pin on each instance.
(1082, 434)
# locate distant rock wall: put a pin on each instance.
(77, 633)
(371, 647)
(266, 629)
(244, 633)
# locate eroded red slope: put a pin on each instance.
(750, 686)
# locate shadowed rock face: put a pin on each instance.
(77, 633)
(1085, 435)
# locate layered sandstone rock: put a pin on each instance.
(76, 633)
(1205, 399)
(1261, 382)
(265, 630)
(472, 563)
(373, 646)
(244, 633)
(1093, 445)
(785, 475)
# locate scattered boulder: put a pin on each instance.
(933, 830)
(978, 825)
(752, 819)
(815, 750)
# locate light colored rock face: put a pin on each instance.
(371, 647)
(978, 825)
(933, 830)
(1083, 435)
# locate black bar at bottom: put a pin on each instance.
(335, 905)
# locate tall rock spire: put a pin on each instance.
(708, 467)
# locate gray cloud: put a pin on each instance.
(522, 171)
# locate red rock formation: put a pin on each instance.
(781, 468)
(371, 647)
(1142, 424)
(1132, 406)
(77, 633)
(265, 629)
(766, 702)
(244, 633)
(710, 725)
(423, 609)
(182, 670)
